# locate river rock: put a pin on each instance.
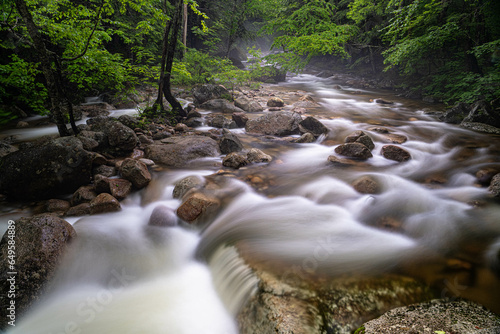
(240, 118)
(257, 156)
(22, 125)
(192, 122)
(197, 208)
(485, 175)
(119, 188)
(163, 216)
(339, 307)
(104, 203)
(136, 172)
(382, 101)
(354, 150)
(313, 126)
(129, 121)
(235, 160)
(495, 185)
(275, 102)
(247, 104)
(456, 114)
(6, 148)
(57, 167)
(437, 316)
(362, 138)
(395, 138)
(395, 153)
(366, 185)
(204, 93)
(118, 138)
(178, 151)
(186, 184)
(101, 184)
(57, 205)
(105, 170)
(181, 127)
(483, 112)
(481, 127)
(79, 210)
(40, 243)
(230, 143)
(221, 122)
(220, 105)
(305, 138)
(279, 123)
(84, 194)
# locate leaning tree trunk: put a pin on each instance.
(56, 100)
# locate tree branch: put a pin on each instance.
(98, 18)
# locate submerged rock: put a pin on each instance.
(235, 160)
(257, 156)
(163, 216)
(436, 316)
(186, 184)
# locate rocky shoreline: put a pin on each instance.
(112, 158)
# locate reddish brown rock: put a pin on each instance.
(366, 185)
(354, 150)
(84, 194)
(79, 210)
(136, 172)
(197, 206)
(57, 205)
(119, 188)
(104, 203)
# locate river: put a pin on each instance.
(429, 215)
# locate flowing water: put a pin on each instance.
(123, 276)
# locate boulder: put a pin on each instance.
(163, 216)
(481, 127)
(395, 153)
(482, 112)
(257, 156)
(281, 307)
(40, 242)
(240, 118)
(104, 203)
(129, 121)
(275, 102)
(248, 104)
(354, 150)
(118, 139)
(178, 151)
(198, 207)
(136, 172)
(234, 160)
(437, 316)
(209, 92)
(280, 123)
(495, 185)
(230, 143)
(186, 184)
(220, 105)
(313, 126)
(57, 167)
(193, 122)
(362, 138)
(221, 122)
(456, 114)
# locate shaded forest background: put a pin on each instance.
(444, 50)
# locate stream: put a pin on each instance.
(123, 276)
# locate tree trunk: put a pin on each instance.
(184, 29)
(158, 105)
(56, 100)
(169, 46)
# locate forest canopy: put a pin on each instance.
(445, 49)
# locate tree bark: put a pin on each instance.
(184, 28)
(56, 100)
(169, 47)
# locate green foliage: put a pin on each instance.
(18, 85)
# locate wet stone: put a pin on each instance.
(104, 203)
(354, 150)
(163, 216)
(395, 153)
